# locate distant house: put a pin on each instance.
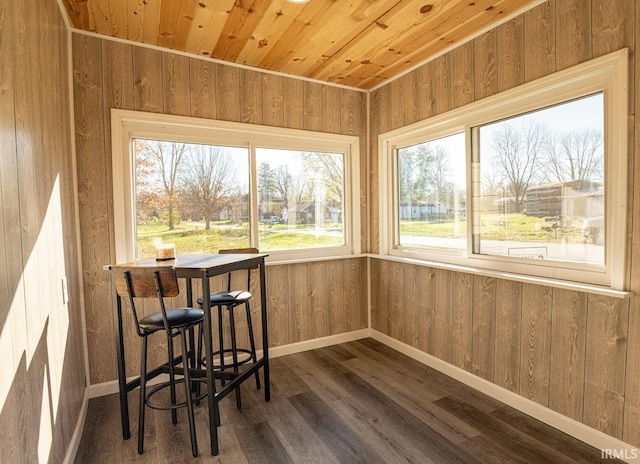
(558, 198)
(421, 210)
(305, 213)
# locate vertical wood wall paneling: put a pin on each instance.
(411, 105)
(227, 93)
(462, 75)
(43, 379)
(376, 309)
(363, 133)
(484, 327)
(539, 41)
(397, 299)
(349, 109)
(339, 301)
(443, 339)
(508, 334)
(202, 83)
(147, 65)
(568, 337)
(278, 294)
(272, 105)
(511, 63)
(573, 32)
(331, 101)
(363, 292)
(298, 303)
(374, 189)
(312, 106)
(485, 77)
(117, 92)
(443, 78)
(606, 351)
(411, 289)
(426, 310)
(251, 91)
(461, 319)
(92, 193)
(386, 104)
(12, 290)
(175, 84)
(397, 103)
(293, 103)
(318, 314)
(536, 343)
(426, 90)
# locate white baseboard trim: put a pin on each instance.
(584, 433)
(74, 444)
(307, 345)
(111, 387)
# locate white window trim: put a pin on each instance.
(607, 74)
(127, 124)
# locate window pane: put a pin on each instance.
(300, 199)
(432, 193)
(542, 184)
(196, 196)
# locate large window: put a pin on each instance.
(209, 185)
(531, 181)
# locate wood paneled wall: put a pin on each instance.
(109, 75)
(576, 353)
(42, 381)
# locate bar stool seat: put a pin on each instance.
(178, 317)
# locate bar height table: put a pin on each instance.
(189, 267)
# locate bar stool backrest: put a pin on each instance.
(147, 282)
(240, 251)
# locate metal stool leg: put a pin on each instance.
(221, 336)
(252, 342)
(234, 351)
(187, 390)
(143, 385)
(172, 379)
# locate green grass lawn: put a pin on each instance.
(513, 227)
(222, 235)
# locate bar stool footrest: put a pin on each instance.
(166, 407)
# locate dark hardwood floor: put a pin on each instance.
(359, 402)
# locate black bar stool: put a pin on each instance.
(230, 300)
(161, 282)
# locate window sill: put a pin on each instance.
(279, 261)
(564, 284)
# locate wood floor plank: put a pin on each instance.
(357, 402)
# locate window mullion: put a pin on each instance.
(254, 222)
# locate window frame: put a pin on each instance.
(127, 125)
(607, 74)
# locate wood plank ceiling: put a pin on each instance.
(358, 43)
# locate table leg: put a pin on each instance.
(122, 372)
(265, 332)
(211, 387)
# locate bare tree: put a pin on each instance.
(440, 176)
(208, 180)
(516, 154)
(330, 169)
(164, 160)
(575, 155)
(283, 183)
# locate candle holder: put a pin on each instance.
(165, 251)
